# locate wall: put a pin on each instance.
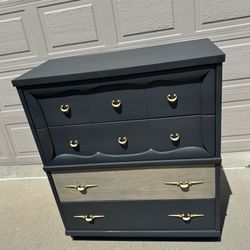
(35, 31)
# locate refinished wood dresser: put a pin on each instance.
(130, 140)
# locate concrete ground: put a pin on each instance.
(29, 219)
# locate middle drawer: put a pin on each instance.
(182, 137)
(173, 182)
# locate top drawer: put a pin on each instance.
(182, 92)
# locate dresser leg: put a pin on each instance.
(75, 238)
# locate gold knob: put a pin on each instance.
(80, 187)
(89, 218)
(116, 103)
(175, 137)
(172, 97)
(64, 108)
(73, 143)
(184, 186)
(186, 217)
(122, 140)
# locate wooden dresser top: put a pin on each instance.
(120, 63)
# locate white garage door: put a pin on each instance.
(34, 31)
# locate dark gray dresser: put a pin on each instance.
(130, 140)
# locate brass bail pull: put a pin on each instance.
(122, 140)
(81, 188)
(89, 218)
(73, 143)
(174, 138)
(172, 98)
(184, 185)
(186, 217)
(64, 108)
(116, 103)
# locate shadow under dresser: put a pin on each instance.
(130, 140)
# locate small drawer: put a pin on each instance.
(172, 182)
(183, 93)
(117, 103)
(123, 138)
(58, 106)
(67, 143)
(189, 136)
(140, 215)
(68, 110)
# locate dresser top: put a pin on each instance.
(120, 63)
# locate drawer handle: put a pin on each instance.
(122, 140)
(184, 186)
(64, 108)
(175, 137)
(186, 217)
(80, 187)
(172, 98)
(116, 103)
(74, 143)
(89, 218)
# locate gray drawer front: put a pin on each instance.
(45, 106)
(137, 183)
(78, 110)
(61, 137)
(141, 98)
(147, 139)
(137, 215)
(195, 93)
(132, 99)
(107, 135)
(193, 131)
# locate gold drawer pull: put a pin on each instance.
(73, 143)
(116, 103)
(186, 217)
(122, 140)
(64, 108)
(175, 137)
(89, 218)
(184, 186)
(80, 187)
(172, 98)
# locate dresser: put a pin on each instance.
(130, 140)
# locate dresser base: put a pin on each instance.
(146, 234)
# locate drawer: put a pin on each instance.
(124, 138)
(181, 134)
(166, 138)
(138, 215)
(117, 103)
(171, 182)
(183, 93)
(58, 106)
(71, 140)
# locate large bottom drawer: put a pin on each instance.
(140, 215)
